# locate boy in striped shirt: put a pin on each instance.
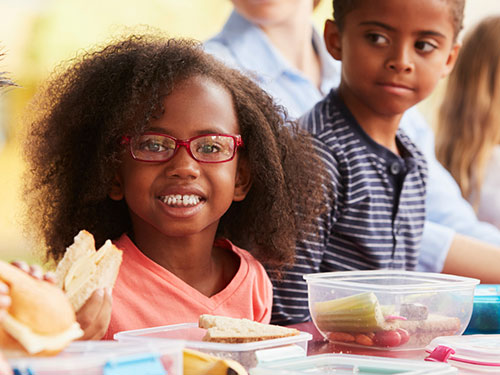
(393, 53)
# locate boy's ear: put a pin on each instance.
(452, 58)
(243, 180)
(116, 190)
(332, 39)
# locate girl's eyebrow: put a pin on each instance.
(211, 130)
(390, 28)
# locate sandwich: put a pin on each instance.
(232, 330)
(83, 269)
(422, 332)
(40, 319)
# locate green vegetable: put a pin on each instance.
(356, 313)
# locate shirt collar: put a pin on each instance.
(253, 48)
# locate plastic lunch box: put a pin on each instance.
(389, 309)
(345, 364)
(471, 354)
(106, 358)
(248, 354)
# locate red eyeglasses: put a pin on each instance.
(205, 148)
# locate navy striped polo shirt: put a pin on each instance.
(375, 206)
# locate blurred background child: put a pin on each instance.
(468, 130)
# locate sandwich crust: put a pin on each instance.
(224, 329)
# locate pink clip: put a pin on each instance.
(441, 353)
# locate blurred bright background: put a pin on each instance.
(36, 35)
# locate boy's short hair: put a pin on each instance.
(342, 7)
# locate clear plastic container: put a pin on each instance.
(486, 312)
(248, 354)
(471, 354)
(106, 358)
(389, 310)
(345, 364)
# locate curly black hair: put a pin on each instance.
(342, 7)
(82, 111)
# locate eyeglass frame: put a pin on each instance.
(238, 143)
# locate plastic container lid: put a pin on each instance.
(477, 353)
(248, 354)
(392, 281)
(106, 358)
(346, 364)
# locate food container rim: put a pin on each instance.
(375, 363)
(481, 350)
(363, 280)
(92, 354)
(138, 334)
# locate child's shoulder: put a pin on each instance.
(326, 115)
(409, 145)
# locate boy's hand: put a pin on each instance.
(95, 315)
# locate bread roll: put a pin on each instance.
(40, 319)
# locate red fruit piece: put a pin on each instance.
(340, 336)
(387, 339)
(362, 339)
(405, 336)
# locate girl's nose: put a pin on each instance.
(401, 60)
(182, 165)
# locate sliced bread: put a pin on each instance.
(232, 330)
(84, 269)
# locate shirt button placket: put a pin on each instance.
(395, 168)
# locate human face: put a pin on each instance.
(152, 189)
(393, 53)
(267, 13)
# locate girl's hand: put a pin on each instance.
(35, 270)
(5, 368)
(4, 305)
(4, 299)
(95, 315)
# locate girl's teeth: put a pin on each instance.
(181, 200)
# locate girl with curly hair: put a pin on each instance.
(183, 162)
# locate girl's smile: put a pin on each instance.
(182, 202)
(178, 200)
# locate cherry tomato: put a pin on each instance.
(387, 339)
(405, 336)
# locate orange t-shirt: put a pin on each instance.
(147, 295)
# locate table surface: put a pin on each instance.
(319, 345)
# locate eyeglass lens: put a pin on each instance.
(208, 148)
